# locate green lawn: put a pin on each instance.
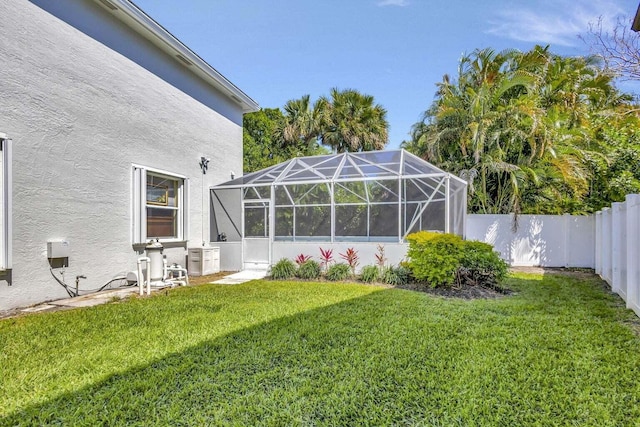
(559, 352)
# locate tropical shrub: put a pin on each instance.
(434, 257)
(446, 259)
(326, 256)
(352, 258)
(339, 271)
(369, 274)
(283, 269)
(481, 265)
(302, 258)
(396, 276)
(309, 269)
(380, 258)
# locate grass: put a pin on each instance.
(560, 352)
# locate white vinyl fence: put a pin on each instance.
(618, 247)
(540, 240)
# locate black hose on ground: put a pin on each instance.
(72, 292)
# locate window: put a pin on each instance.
(160, 205)
(5, 202)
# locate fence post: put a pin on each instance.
(623, 251)
(606, 244)
(606, 241)
(616, 232)
(598, 243)
(633, 233)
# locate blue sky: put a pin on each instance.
(395, 50)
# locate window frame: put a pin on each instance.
(140, 205)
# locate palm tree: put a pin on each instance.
(518, 126)
(469, 134)
(350, 121)
(301, 122)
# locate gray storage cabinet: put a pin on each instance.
(203, 261)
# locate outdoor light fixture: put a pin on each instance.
(204, 164)
(233, 175)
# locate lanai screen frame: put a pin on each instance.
(401, 171)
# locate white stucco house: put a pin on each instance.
(104, 119)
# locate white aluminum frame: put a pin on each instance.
(436, 186)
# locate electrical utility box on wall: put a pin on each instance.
(203, 261)
(58, 249)
(58, 253)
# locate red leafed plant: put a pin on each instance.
(326, 256)
(352, 258)
(380, 258)
(302, 258)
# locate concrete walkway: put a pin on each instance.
(97, 298)
(109, 295)
(242, 276)
(88, 300)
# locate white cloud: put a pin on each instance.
(555, 22)
(400, 3)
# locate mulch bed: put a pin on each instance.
(480, 292)
(462, 292)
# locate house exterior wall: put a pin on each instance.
(80, 114)
(100, 25)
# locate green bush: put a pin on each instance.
(309, 269)
(481, 265)
(434, 257)
(396, 276)
(444, 259)
(369, 273)
(339, 271)
(283, 269)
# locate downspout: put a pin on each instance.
(7, 201)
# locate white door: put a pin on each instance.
(256, 243)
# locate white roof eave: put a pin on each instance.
(132, 16)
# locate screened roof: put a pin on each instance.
(369, 196)
(379, 165)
